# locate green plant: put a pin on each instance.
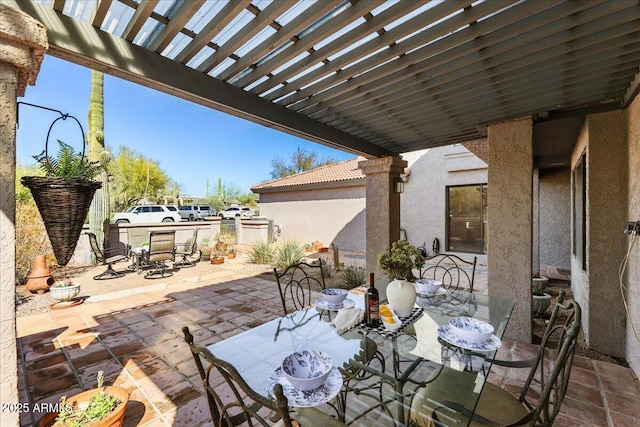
(261, 253)
(83, 414)
(67, 164)
(537, 292)
(63, 284)
(287, 253)
(399, 260)
(353, 276)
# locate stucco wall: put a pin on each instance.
(555, 218)
(423, 203)
(606, 208)
(509, 260)
(633, 268)
(335, 215)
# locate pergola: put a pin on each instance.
(377, 78)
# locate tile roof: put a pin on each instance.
(346, 170)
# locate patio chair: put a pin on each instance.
(540, 397)
(454, 272)
(161, 250)
(106, 257)
(297, 282)
(233, 402)
(187, 250)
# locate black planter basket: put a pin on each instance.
(63, 204)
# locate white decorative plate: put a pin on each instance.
(300, 398)
(446, 333)
(439, 292)
(323, 304)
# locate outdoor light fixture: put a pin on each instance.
(398, 185)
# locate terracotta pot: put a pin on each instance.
(114, 419)
(218, 260)
(401, 295)
(40, 277)
(232, 255)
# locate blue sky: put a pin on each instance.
(190, 142)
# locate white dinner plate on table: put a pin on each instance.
(446, 333)
(309, 398)
(441, 291)
(323, 304)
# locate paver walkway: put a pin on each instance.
(130, 328)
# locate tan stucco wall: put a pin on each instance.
(423, 203)
(633, 213)
(555, 218)
(596, 289)
(335, 215)
(23, 42)
(510, 220)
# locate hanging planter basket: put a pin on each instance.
(63, 204)
(64, 195)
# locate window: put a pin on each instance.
(467, 218)
(579, 203)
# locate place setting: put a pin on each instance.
(308, 378)
(429, 292)
(334, 299)
(470, 334)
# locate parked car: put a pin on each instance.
(195, 212)
(233, 212)
(148, 213)
(206, 211)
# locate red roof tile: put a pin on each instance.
(342, 171)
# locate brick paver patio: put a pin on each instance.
(130, 328)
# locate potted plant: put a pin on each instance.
(102, 406)
(540, 302)
(539, 282)
(216, 257)
(63, 196)
(398, 263)
(231, 252)
(205, 250)
(64, 290)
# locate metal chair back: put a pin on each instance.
(187, 250)
(297, 282)
(454, 272)
(161, 249)
(231, 400)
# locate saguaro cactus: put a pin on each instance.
(99, 210)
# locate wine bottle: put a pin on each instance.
(371, 305)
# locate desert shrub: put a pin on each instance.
(261, 253)
(352, 277)
(31, 240)
(287, 253)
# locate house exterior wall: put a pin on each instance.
(423, 203)
(632, 278)
(330, 215)
(555, 219)
(596, 288)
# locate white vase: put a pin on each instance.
(401, 295)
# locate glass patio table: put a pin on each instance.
(371, 392)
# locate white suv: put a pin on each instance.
(234, 212)
(147, 213)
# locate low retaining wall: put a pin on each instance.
(248, 232)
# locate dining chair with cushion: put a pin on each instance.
(108, 257)
(233, 402)
(452, 271)
(296, 284)
(187, 250)
(447, 399)
(161, 250)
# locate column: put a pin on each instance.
(383, 206)
(23, 42)
(509, 258)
